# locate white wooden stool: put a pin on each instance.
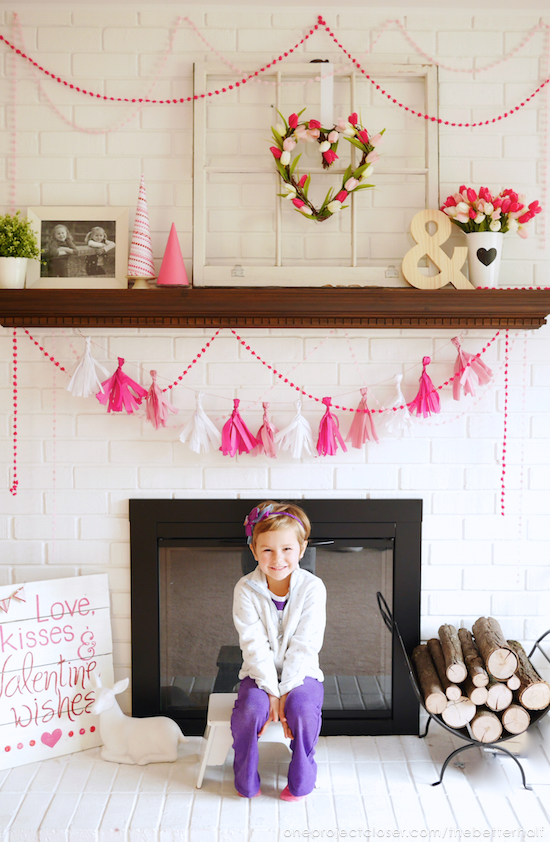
(218, 732)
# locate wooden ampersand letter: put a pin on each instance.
(429, 244)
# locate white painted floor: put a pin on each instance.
(370, 787)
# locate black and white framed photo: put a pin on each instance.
(80, 247)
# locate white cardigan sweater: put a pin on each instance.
(278, 659)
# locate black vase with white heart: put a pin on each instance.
(484, 255)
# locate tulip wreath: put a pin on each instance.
(296, 189)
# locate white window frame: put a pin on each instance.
(279, 274)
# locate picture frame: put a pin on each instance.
(81, 248)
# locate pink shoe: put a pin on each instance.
(252, 796)
(286, 795)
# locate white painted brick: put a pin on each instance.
(241, 477)
(442, 528)
(77, 450)
(91, 193)
(139, 452)
(26, 823)
(175, 817)
(524, 553)
(77, 552)
(431, 477)
(105, 476)
(466, 502)
(70, 144)
(87, 818)
(490, 527)
(29, 527)
(369, 478)
(76, 502)
(115, 529)
(169, 478)
(493, 578)
(453, 604)
(302, 477)
(141, 143)
(273, 41)
(526, 604)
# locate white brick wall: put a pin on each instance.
(474, 560)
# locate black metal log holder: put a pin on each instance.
(462, 733)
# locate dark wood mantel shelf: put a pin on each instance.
(275, 307)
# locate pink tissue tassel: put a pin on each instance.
(266, 436)
(362, 426)
(236, 437)
(157, 408)
(470, 371)
(116, 391)
(427, 400)
(329, 434)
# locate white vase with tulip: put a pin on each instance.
(485, 218)
(18, 245)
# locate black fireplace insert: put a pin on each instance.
(187, 555)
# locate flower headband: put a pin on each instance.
(257, 515)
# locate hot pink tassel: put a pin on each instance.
(157, 408)
(427, 400)
(362, 426)
(236, 437)
(329, 434)
(116, 391)
(476, 373)
(266, 436)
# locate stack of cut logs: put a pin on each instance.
(483, 682)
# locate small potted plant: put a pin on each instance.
(18, 244)
(484, 218)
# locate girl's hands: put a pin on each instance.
(273, 715)
(282, 717)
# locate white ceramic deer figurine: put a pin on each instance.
(153, 739)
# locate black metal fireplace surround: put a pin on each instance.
(186, 556)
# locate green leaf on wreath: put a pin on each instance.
(282, 170)
(282, 118)
(306, 186)
(362, 187)
(277, 137)
(357, 143)
(326, 201)
(360, 170)
(347, 174)
(293, 164)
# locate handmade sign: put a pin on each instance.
(54, 636)
(430, 245)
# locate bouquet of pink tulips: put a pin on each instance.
(481, 211)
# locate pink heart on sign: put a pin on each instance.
(51, 739)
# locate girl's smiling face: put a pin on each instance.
(278, 553)
(60, 234)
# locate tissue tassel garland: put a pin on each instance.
(202, 433)
(398, 421)
(236, 437)
(466, 376)
(266, 436)
(117, 391)
(84, 381)
(157, 408)
(426, 401)
(362, 426)
(329, 434)
(297, 437)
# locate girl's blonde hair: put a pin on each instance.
(268, 516)
(97, 228)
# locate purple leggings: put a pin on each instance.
(303, 712)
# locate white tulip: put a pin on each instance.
(488, 208)
(334, 207)
(350, 132)
(451, 211)
(494, 225)
(513, 225)
(289, 188)
(479, 218)
(285, 159)
(305, 210)
(280, 129)
(324, 146)
(463, 207)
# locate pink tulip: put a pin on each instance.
(462, 217)
(462, 188)
(472, 195)
(275, 151)
(351, 184)
(363, 136)
(298, 202)
(342, 196)
(525, 218)
(353, 119)
(535, 207)
(377, 139)
(496, 214)
(302, 181)
(450, 201)
(314, 124)
(330, 156)
(523, 233)
(293, 121)
(300, 133)
(288, 144)
(505, 205)
(515, 206)
(472, 213)
(333, 137)
(313, 134)
(372, 157)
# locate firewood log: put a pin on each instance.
(499, 696)
(500, 660)
(452, 691)
(534, 692)
(434, 697)
(516, 719)
(513, 682)
(477, 695)
(455, 667)
(472, 659)
(486, 726)
(458, 714)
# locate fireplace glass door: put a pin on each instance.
(199, 647)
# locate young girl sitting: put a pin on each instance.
(279, 614)
(97, 240)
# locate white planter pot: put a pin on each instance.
(12, 272)
(484, 255)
